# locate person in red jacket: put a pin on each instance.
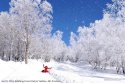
(45, 70)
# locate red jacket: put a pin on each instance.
(45, 69)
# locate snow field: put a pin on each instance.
(24, 72)
(60, 73)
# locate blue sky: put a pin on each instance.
(69, 14)
(4, 5)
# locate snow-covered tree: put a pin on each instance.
(58, 47)
(31, 17)
(102, 43)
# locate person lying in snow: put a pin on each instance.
(45, 69)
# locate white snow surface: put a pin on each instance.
(19, 72)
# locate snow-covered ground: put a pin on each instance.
(11, 72)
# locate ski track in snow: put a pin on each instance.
(72, 74)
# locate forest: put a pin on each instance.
(26, 33)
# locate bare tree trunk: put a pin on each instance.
(27, 39)
(26, 61)
(27, 48)
(123, 69)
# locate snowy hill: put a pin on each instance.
(11, 72)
